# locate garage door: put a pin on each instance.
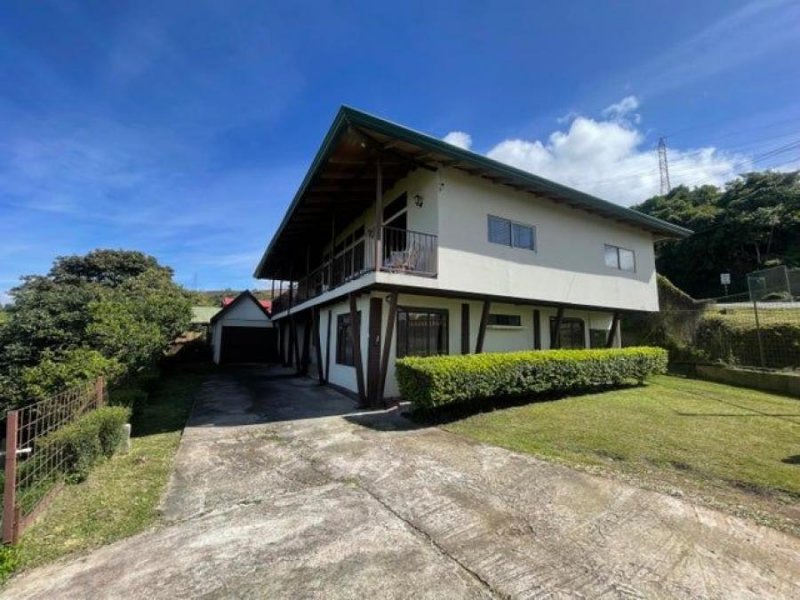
(249, 344)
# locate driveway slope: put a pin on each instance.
(283, 489)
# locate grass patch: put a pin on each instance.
(120, 496)
(698, 435)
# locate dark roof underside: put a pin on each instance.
(340, 185)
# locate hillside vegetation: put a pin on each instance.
(752, 223)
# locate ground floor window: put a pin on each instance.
(344, 339)
(498, 320)
(572, 333)
(421, 332)
(598, 338)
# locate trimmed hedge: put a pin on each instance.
(86, 440)
(429, 382)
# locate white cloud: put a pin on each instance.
(622, 110)
(459, 138)
(612, 159)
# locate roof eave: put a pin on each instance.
(347, 116)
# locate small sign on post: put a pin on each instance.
(725, 280)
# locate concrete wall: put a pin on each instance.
(780, 383)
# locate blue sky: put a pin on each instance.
(184, 128)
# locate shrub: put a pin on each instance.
(147, 378)
(736, 341)
(86, 440)
(108, 422)
(127, 397)
(440, 380)
(57, 372)
(9, 561)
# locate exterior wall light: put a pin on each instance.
(418, 200)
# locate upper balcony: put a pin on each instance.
(395, 251)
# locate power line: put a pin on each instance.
(688, 169)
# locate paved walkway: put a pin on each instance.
(283, 490)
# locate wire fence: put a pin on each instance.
(34, 469)
(757, 334)
(759, 328)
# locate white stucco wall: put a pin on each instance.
(498, 339)
(343, 375)
(568, 265)
(244, 314)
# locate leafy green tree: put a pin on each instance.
(118, 306)
(105, 267)
(56, 372)
(752, 223)
(136, 321)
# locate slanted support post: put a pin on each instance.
(555, 343)
(317, 344)
(355, 327)
(298, 365)
(387, 345)
(612, 333)
(305, 357)
(465, 328)
(328, 346)
(487, 305)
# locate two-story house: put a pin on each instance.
(400, 244)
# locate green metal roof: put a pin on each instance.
(202, 315)
(435, 152)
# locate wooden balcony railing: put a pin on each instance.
(402, 251)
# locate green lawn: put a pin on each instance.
(121, 495)
(694, 433)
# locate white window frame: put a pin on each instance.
(617, 249)
(511, 224)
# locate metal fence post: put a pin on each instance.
(10, 485)
(100, 391)
(758, 335)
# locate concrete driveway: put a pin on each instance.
(282, 489)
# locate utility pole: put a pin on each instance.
(663, 166)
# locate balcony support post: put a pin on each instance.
(330, 254)
(555, 343)
(378, 214)
(612, 333)
(317, 344)
(355, 327)
(487, 305)
(387, 346)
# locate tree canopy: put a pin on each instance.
(752, 223)
(110, 311)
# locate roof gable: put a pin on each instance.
(348, 153)
(246, 296)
